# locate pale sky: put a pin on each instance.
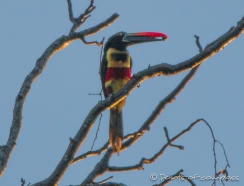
(59, 102)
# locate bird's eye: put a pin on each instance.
(119, 34)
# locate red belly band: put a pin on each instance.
(117, 73)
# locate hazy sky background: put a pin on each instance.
(59, 102)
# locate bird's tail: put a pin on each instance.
(116, 129)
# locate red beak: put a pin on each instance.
(143, 37)
(151, 35)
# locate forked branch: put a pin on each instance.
(77, 22)
(57, 45)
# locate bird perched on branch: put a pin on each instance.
(115, 72)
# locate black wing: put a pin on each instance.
(102, 72)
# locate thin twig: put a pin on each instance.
(101, 53)
(102, 42)
(23, 182)
(228, 165)
(97, 131)
(90, 153)
(198, 43)
(92, 42)
(103, 181)
(214, 152)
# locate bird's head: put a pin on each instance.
(122, 40)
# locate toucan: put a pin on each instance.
(115, 72)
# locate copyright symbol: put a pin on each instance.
(153, 176)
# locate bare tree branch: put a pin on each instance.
(59, 44)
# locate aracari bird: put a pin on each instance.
(115, 72)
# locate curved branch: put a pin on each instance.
(92, 42)
(59, 44)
